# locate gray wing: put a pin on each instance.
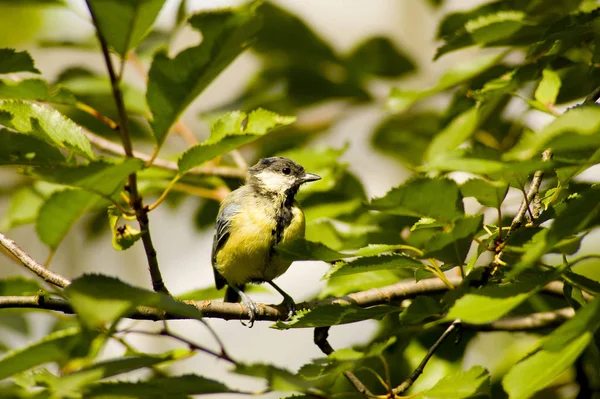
(220, 238)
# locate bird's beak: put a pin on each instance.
(308, 177)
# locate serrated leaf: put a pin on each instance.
(278, 379)
(53, 347)
(371, 263)
(458, 131)
(547, 90)
(399, 100)
(335, 314)
(487, 193)
(174, 83)
(16, 61)
(458, 161)
(423, 197)
(124, 236)
(420, 309)
(160, 387)
(492, 302)
(47, 124)
(99, 299)
(59, 212)
(101, 177)
(124, 23)
(231, 131)
(35, 90)
(309, 250)
(21, 149)
(464, 384)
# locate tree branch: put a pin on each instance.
(115, 149)
(141, 212)
(407, 383)
(31, 264)
(320, 339)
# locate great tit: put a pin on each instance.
(252, 220)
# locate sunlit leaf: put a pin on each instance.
(458, 131)
(371, 263)
(547, 90)
(123, 236)
(35, 90)
(464, 384)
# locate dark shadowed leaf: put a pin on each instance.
(174, 83)
(60, 212)
(101, 177)
(423, 197)
(379, 56)
(16, 61)
(124, 23)
(420, 309)
(452, 246)
(371, 263)
(45, 123)
(277, 378)
(21, 149)
(161, 387)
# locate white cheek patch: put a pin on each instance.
(275, 181)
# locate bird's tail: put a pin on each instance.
(232, 295)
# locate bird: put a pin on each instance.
(251, 222)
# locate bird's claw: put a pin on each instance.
(252, 310)
(290, 305)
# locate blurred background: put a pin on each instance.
(354, 118)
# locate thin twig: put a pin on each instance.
(112, 148)
(140, 210)
(320, 339)
(407, 383)
(31, 264)
(593, 96)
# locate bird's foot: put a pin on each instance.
(290, 305)
(252, 309)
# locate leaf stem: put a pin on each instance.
(165, 193)
(140, 210)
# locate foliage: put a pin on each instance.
(459, 241)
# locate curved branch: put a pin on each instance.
(31, 264)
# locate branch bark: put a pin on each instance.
(31, 264)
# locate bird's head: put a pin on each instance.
(279, 176)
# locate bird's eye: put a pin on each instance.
(286, 171)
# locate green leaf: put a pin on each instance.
(423, 197)
(124, 236)
(420, 309)
(487, 193)
(17, 285)
(35, 90)
(47, 124)
(539, 370)
(23, 208)
(407, 136)
(458, 162)
(60, 212)
(278, 379)
(124, 23)
(379, 56)
(547, 90)
(335, 314)
(174, 83)
(457, 132)
(54, 347)
(310, 250)
(576, 129)
(157, 387)
(452, 246)
(21, 149)
(492, 302)
(371, 263)
(399, 101)
(101, 177)
(16, 61)
(231, 131)
(464, 384)
(99, 299)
